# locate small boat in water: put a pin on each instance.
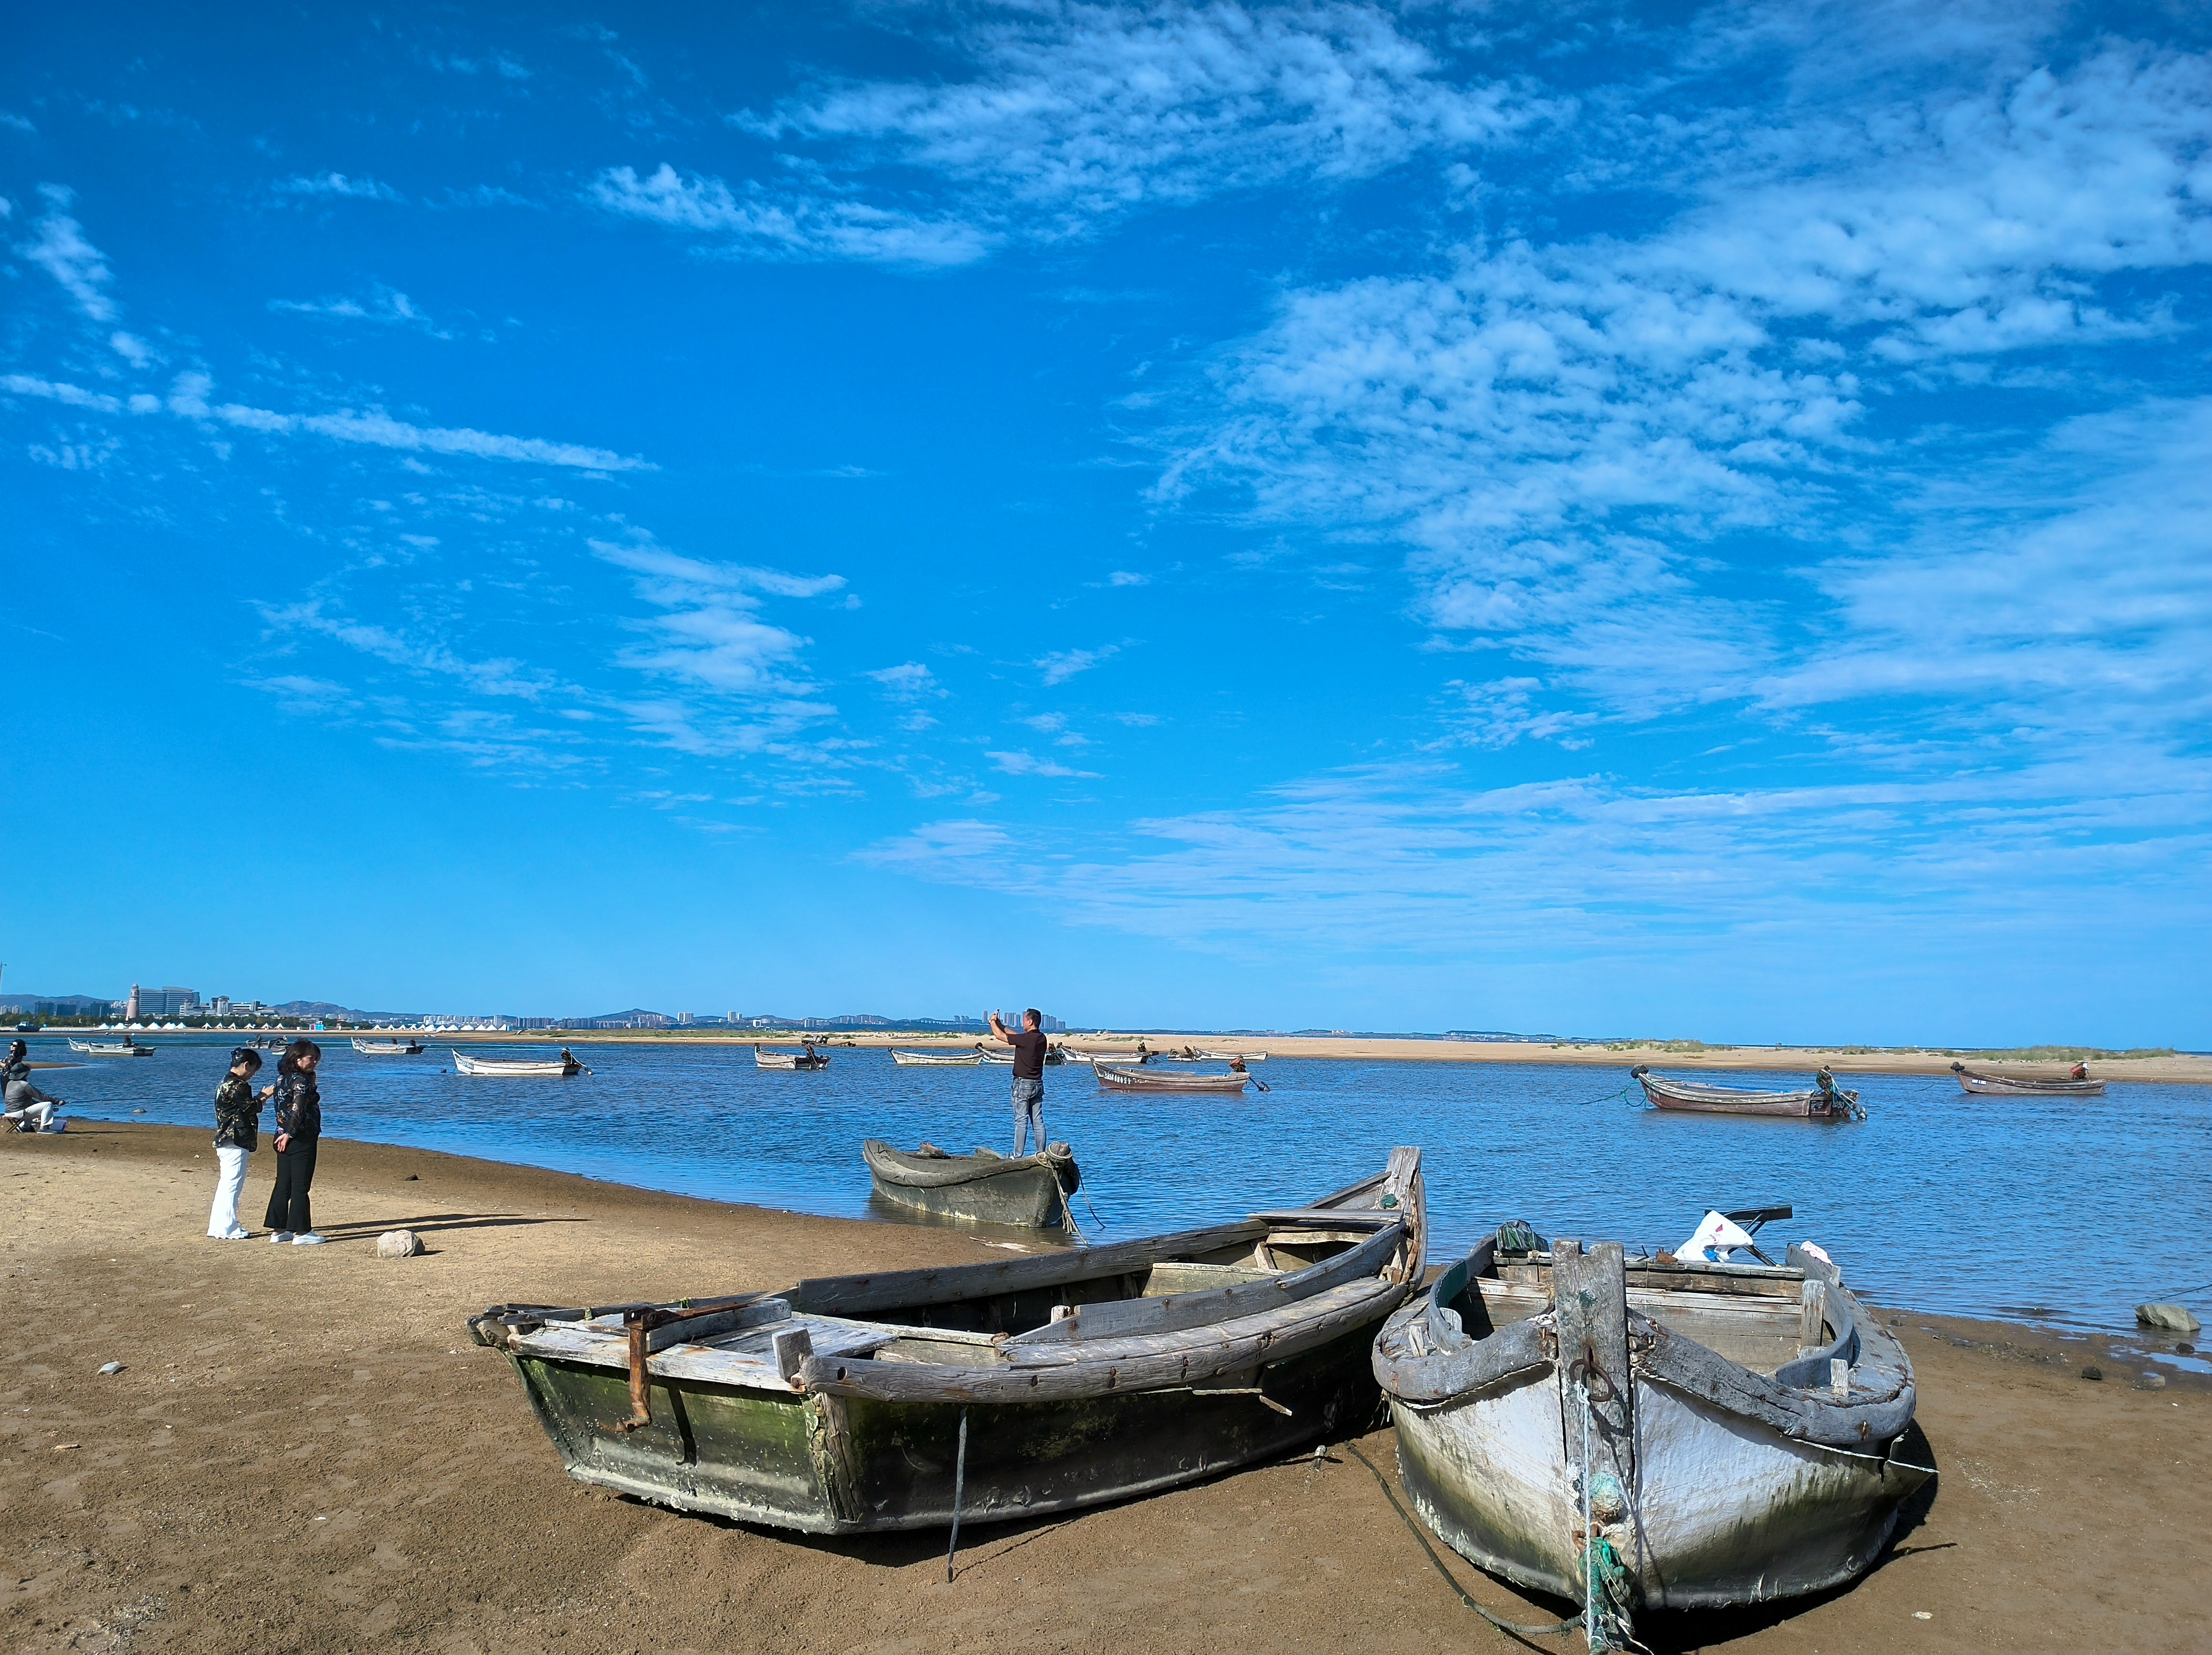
(936, 1059)
(770, 1058)
(125, 1047)
(1822, 1101)
(984, 1188)
(563, 1067)
(988, 1393)
(2075, 1085)
(1634, 1432)
(1120, 1077)
(387, 1048)
(1053, 1057)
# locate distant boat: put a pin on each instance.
(388, 1048)
(984, 1188)
(110, 1049)
(535, 1067)
(764, 1058)
(1053, 1057)
(1234, 1057)
(1125, 1079)
(936, 1059)
(2077, 1085)
(1823, 1101)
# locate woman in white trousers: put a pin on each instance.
(237, 1134)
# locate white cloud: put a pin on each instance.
(933, 843)
(908, 681)
(337, 185)
(386, 306)
(1026, 764)
(1126, 578)
(1063, 665)
(59, 248)
(29, 384)
(755, 221)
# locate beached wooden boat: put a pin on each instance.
(1823, 1100)
(110, 1049)
(1120, 1077)
(387, 1048)
(2077, 1085)
(984, 1188)
(1728, 1432)
(1231, 1056)
(536, 1067)
(1053, 1057)
(765, 1057)
(982, 1392)
(936, 1059)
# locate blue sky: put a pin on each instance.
(1676, 520)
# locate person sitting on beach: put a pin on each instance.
(237, 1134)
(28, 1109)
(1029, 1076)
(299, 1129)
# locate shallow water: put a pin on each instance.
(2065, 1212)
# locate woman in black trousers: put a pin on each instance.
(299, 1126)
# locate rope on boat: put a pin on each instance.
(1557, 1629)
(959, 1487)
(1608, 1592)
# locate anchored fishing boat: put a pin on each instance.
(536, 1067)
(1646, 1433)
(770, 1059)
(387, 1048)
(1823, 1100)
(984, 1188)
(2075, 1085)
(1120, 1077)
(123, 1048)
(983, 1392)
(1053, 1057)
(936, 1059)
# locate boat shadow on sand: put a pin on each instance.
(367, 1229)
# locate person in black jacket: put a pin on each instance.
(299, 1128)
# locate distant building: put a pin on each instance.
(130, 1009)
(684, 1020)
(221, 1005)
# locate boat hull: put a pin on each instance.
(1023, 1192)
(1988, 1087)
(1141, 1080)
(831, 1465)
(1728, 1511)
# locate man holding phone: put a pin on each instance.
(1029, 1044)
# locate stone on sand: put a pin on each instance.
(399, 1244)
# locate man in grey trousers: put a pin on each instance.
(1029, 1076)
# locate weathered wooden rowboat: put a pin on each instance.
(763, 1058)
(983, 1392)
(110, 1049)
(1823, 1100)
(1053, 1057)
(984, 1188)
(2027, 1086)
(1726, 1433)
(388, 1048)
(530, 1068)
(1156, 1080)
(1233, 1057)
(935, 1059)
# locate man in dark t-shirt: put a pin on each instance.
(1029, 1076)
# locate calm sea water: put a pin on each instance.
(2069, 1213)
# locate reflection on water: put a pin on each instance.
(1977, 1207)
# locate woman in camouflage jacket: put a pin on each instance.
(237, 1134)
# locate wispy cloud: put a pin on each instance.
(756, 221)
(386, 306)
(1063, 665)
(1027, 764)
(59, 248)
(338, 185)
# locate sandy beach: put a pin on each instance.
(303, 1451)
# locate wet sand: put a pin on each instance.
(305, 1452)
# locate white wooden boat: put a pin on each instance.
(110, 1049)
(2076, 1085)
(936, 1059)
(1120, 1077)
(988, 1393)
(1233, 1057)
(387, 1048)
(1823, 1100)
(770, 1058)
(1053, 1057)
(1723, 1433)
(536, 1067)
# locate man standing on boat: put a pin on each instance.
(1028, 1046)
